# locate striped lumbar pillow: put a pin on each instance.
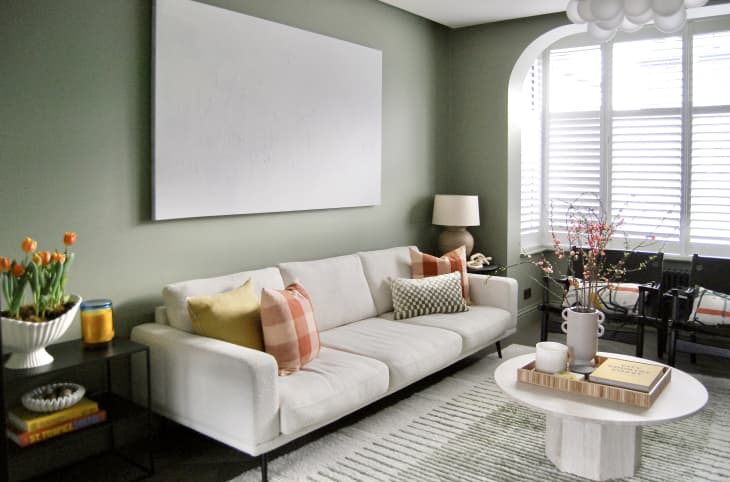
(711, 307)
(435, 294)
(290, 329)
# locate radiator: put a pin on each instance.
(674, 278)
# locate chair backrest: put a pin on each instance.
(652, 271)
(710, 273)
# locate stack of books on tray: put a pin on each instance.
(26, 428)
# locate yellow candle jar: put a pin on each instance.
(97, 323)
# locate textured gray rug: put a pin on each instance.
(464, 429)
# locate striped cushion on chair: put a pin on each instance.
(711, 307)
(289, 327)
(424, 265)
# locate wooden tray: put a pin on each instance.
(528, 374)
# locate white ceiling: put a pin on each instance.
(462, 13)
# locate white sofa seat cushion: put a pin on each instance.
(410, 351)
(176, 295)
(478, 327)
(333, 384)
(336, 286)
(380, 267)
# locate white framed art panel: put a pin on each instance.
(252, 116)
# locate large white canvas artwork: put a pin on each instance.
(252, 116)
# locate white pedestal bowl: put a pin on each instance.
(27, 340)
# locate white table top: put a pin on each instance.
(683, 396)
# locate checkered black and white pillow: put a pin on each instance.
(434, 294)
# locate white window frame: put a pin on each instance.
(684, 247)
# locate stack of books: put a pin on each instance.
(26, 428)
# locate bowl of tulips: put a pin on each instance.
(28, 328)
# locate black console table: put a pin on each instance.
(126, 433)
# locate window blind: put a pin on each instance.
(710, 174)
(531, 170)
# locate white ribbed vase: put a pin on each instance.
(27, 340)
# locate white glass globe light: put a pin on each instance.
(666, 8)
(584, 10)
(611, 23)
(671, 24)
(641, 19)
(600, 34)
(605, 10)
(572, 11)
(628, 26)
(636, 7)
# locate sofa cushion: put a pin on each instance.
(337, 287)
(410, 351)
(233, 316)
(290, 328)
(176, 295)
(435, 294)
(478, 327)
(710, 307)
(423, 265)
(328, 387)
(380, 267)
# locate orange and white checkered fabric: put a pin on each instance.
(289, 327)
(424, 265)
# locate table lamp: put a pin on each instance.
(455, 212)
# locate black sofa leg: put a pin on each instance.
(499, 350)
(264, 467)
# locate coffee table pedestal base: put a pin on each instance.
(593, 450)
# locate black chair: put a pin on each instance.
(622, 324)
(688, 333)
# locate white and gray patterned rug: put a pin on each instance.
(464, 428)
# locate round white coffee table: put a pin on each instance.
(595, 438)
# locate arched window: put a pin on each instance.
(641, 125)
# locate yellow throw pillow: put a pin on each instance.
(233, 316)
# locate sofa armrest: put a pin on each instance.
(223, 390)
(497, 291)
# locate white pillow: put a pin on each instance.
(616, 297)
(710, 307)
(423, 296)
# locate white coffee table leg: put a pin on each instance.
(593, 450)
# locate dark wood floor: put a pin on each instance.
(183, 455)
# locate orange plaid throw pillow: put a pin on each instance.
(424, 265)
(290, 330)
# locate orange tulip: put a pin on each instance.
(18, 270)
(45, 257)
(37, 259)
(29, 245)
(59, 257)
(5, 264)
(69, 238)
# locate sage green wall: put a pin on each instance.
(481, 63)
(75, 147)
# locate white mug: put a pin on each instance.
(583, 330)
(551, 357)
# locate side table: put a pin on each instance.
(486, 269)
(126, 425)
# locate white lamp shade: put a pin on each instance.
(455, 210)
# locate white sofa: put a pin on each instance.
(233, 394)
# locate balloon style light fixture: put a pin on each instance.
(606, 17)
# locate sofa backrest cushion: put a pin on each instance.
(380, 267)
(336, 286)
(175, 295)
